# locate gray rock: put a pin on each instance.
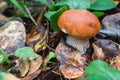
(111, 25)
(111, 22)
(12, 36)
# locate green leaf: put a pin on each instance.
(54, 18)
(77, 4)
(2, 59)
(102, 5)
(47, 60)
(8, 1)
(49, 14)
(100, 70)
(50, 6)
(51, 55)
(98, 14)
(44, 2)
(1, 77)
(3, 56)
(25, 52)
(18, 6)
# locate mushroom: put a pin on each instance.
(80, 25)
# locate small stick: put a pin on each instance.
(28, 12)
(41, 15)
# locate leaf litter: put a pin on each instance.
(69, 63)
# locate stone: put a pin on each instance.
(111, 22)
(111, 25)
(12, 36)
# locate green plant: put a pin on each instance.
(98, 14)
(100, 70)
(21, 9)
(50, 56)
(18, 5)
(25, 52)
(3, 56)
(102, 5)
(53, 17)
(56, 9)
(1, 77)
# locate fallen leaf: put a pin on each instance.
(115, 62)
(35, 65)
(30, 67)
(32, 36)
(71, 60)
(24, 67)
(109, 48)
(41, 44)
(31, 76)
(98, 52)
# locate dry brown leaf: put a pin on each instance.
(33, 36)
(115, 62)
(32, 76)
(71, 60)
(41, 44)
(28, 67)
(36, 38)
(35, 65)
(24, 67)
(98, 53)
(109, 48)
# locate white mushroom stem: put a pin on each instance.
(80, 44)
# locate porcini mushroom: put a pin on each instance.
(80, 25)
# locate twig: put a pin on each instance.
(28, 12)
(41, 15)
(57, 73)
(50, 48)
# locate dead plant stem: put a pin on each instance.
(28, 12)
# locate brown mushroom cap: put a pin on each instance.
(79, 23)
